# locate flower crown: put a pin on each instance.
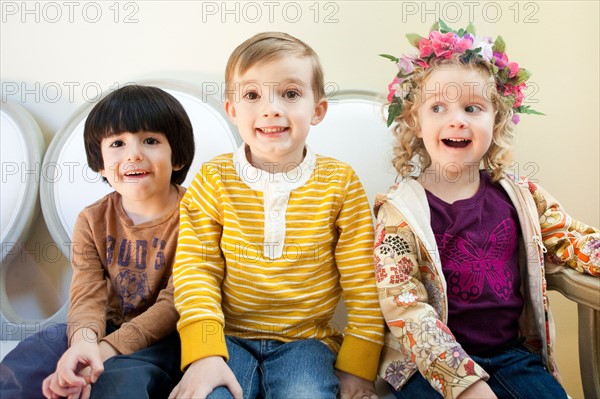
(443, 43)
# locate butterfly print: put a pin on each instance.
(471, 265)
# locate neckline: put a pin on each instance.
(465, 202)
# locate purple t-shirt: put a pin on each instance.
(478, 244)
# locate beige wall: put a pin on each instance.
(45, 46)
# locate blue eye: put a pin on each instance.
(438, 108)
(473, 109)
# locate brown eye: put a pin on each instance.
(251, 96)
(117, 143)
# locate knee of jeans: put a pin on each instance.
(306, 390)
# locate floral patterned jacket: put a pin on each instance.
(412, 289)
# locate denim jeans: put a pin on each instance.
(147, 373)
(278, 370)
(515, 373)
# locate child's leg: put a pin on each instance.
(151, 372)
(244, 365)
(517, 373)
(299, 369)
(23, 370)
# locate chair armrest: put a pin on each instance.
(580, 288)
(585, 291)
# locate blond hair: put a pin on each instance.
(267, 46)
(410, 154)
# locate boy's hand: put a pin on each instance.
(52, 389)
(203, 376)
(78, 367)
(479, 390)
(353, 387)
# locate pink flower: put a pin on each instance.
(513, 68)
(463, 44)
(422, 63)
(405, 65)
(501, 59)
(516, 91)
(425, 48)
(443, 43)
(515, 119)
(395, 89)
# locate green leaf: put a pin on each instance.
(522, 76)
(389, 57)
(526, 109)
(414, 39)
(471, 29)
(444, 28)
(394, 110)
(435, 27)
(461, 32)
(499, 45)
(494, 69)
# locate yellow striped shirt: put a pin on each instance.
(245, 269)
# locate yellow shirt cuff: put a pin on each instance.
(359, 357)
(202, 339)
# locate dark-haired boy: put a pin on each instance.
(120, 338)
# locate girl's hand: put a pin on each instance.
(479, 390)
(203, 376)
(353, 387)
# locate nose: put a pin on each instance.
(459, 120)
(271, 106)
(134, 152)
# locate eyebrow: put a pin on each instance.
(284, 82)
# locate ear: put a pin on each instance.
(177, 168)
(320, 111)
(230, 111)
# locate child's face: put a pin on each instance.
(456, 118)
(138, 165)
(273, 107)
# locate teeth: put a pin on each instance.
(269, 130)
(134, 173)
(457, 140)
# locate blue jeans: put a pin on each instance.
(515, 373)
(147, 373)
(278, 370)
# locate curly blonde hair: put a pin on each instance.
(410, 155)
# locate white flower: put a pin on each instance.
(486, 44)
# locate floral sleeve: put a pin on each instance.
(411, 298)
(567, 241)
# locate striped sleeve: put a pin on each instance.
(198, 270)
(359, 354)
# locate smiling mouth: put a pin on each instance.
(456, 143)
(136, 173)
(271, 130)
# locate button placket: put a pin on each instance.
(277, 195)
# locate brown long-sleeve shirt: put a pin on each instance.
(122, 274)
